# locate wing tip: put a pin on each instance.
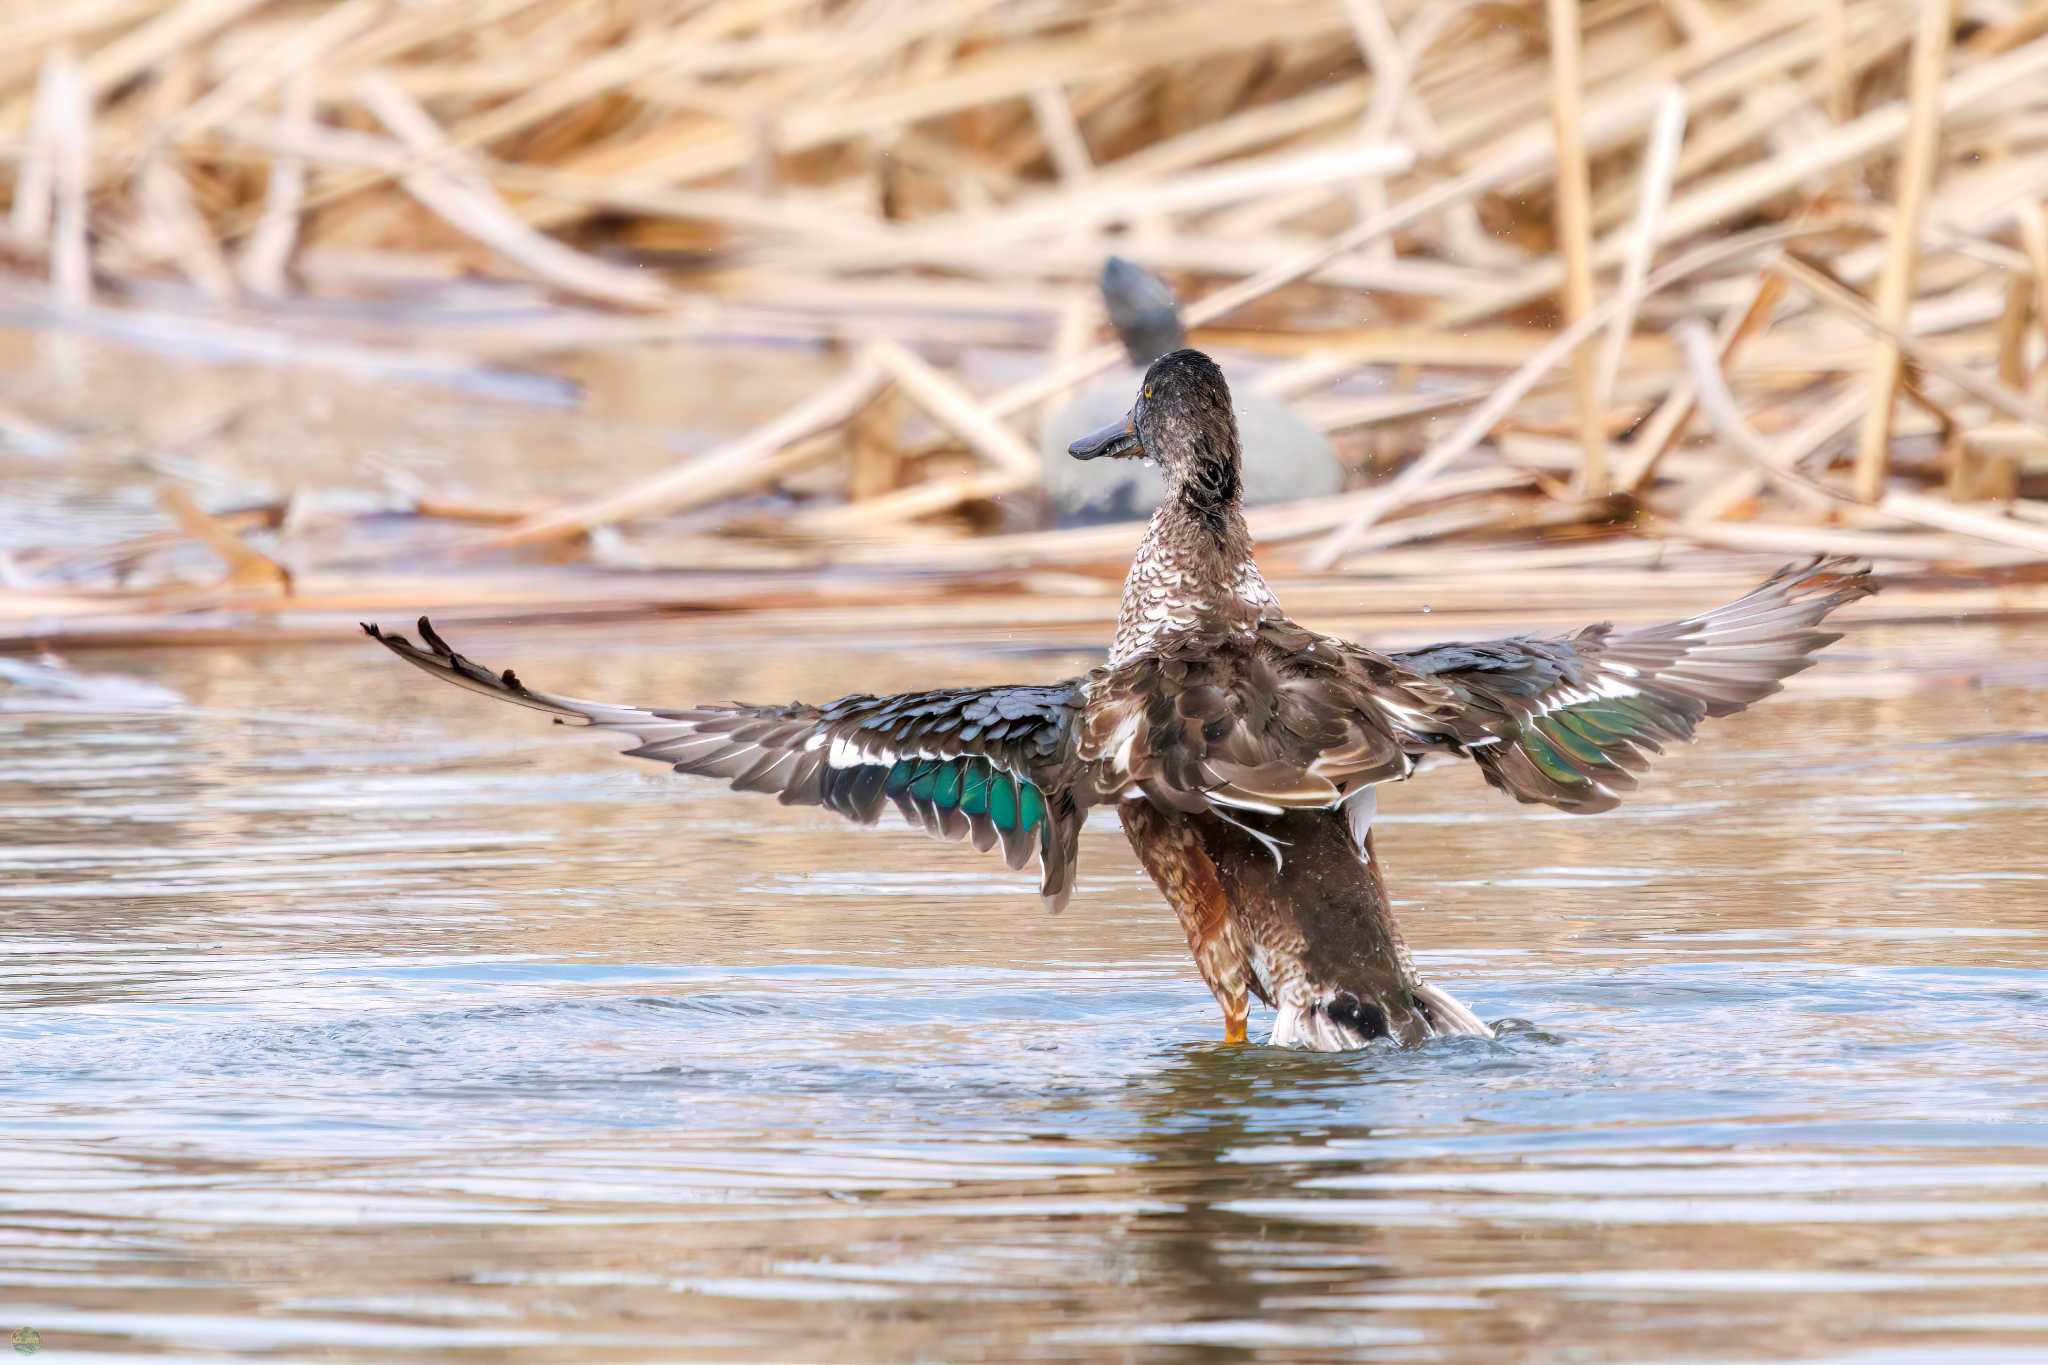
(1843, 578)
(433, 639)
(440, 658)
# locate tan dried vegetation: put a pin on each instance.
(1577, 287)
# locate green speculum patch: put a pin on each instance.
(972, 786)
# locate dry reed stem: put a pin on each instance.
(1064, 140)
(1786, 452)
(736, 466)
(908, 504)
(1966, 521)
(1575, 230)
(68, 140)
(1797, 538)
(1660, 159)
(1720, 407)
(35, 174)
(268, 249)
(954, 408)
(2012, 332)
(1474, 428)
(282, 63)
(246, 567)
(1835, 71)
(1895, 285)
(1739, 191)
(1850, 304)
(1096, 203)
(465, 199)
(1655, 438)
(141, 48)
(1525, 157)
(1391, 104)
(175, 226)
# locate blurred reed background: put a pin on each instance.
(1597, 301)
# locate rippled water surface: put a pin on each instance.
(350, 1018)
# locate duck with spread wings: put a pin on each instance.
(1241, 752)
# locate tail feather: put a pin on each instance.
(1338, 1021)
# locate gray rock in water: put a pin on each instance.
(1284, 457)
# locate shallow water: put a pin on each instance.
(354, 1018)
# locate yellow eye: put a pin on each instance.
(1148, 391)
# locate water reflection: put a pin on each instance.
(409, 1028)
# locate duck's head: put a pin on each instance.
(1183, 422)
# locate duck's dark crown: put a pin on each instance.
(1189, 427)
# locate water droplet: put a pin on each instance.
(1427, 610)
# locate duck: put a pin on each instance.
(1289, 458)
(1241, 752)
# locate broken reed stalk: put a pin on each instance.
(954, 408)
(1720, 407)
(1656, 435)
(1825, 288)
(1490, 411)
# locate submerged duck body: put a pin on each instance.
(1289, 459)
(1242, 752)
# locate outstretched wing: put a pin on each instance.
(992, 764)
(1568, 722)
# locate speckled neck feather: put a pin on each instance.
(1193, 574)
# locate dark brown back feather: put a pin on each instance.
(1274, 720)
